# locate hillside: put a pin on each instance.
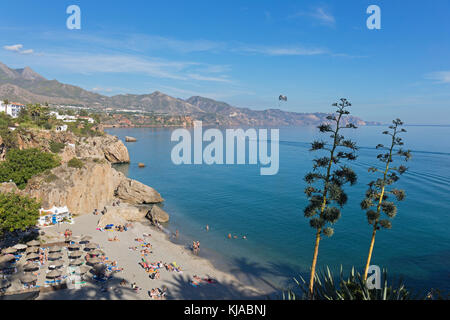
(26, 86)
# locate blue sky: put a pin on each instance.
(246, 53)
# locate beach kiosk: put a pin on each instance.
(55, 215)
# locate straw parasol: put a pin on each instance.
(54, 274)
(56, 264)
(77, 262)
(20, 246)
(54, 256)
(10, 250)
(74, 246)
(96, 252)
(75, 254)
(32, 256)
(32, 250)
(30, 266)
(94, 261)
(91, 246)
(85, 239)
(54, 249)
(29, 277)
(33, 243)
(7, 258)
(4, 283)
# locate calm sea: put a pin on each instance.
(268, 210)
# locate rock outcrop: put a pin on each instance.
(107, 146)
(158, 215)
(119, 215)
(134, 192)
(81, 190)
(130, 139)
(8, 187)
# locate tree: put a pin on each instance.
(378, 192)
(326, 180)
(17, 212)
(22, 165)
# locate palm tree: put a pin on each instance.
(377, 194)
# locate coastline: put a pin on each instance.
(178, 284)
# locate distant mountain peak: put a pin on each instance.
(29, 74)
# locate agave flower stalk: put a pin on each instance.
(325, 182)
(379, 192)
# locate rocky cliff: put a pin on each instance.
(99, 147)
(94, 186)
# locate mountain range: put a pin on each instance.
(27, 86)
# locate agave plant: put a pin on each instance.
(351, 288)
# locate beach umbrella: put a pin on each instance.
(83, 269)
(76, 262)
(56, 264)
(91, 246)
(4, 283)
(7, 258)
(75, 254)
(94, 261)
(29, 277)
(68, 240)
(33, 243)
(20, 246)
(30, 266)
(54, 256)
(54, 249)
(74, 247)
(32, 250)
(54, 274)
(9, 250)
(85, 239)
(96, 252)
(32, 256)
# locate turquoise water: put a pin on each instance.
(268, 210)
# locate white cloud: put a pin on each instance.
(18, 48)
(14, 48)
(439, 76)
(283, 51)
(28, 51)
(132, 64)
(319, 14)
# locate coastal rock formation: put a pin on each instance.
(119, 215)
(134, 192)
(7, 187)
(130, 139)
(100, 147)
(82, 190)
(106, 146)
(158, 215)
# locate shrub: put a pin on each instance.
(17, 212)
(75, 163)
(56, 147)
(21, 165)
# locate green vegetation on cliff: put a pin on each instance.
(17, 212)
(22, 165)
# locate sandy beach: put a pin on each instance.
(178, 284)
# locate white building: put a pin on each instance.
(54, 215)
(12, 109)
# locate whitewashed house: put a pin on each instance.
(12, 109)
